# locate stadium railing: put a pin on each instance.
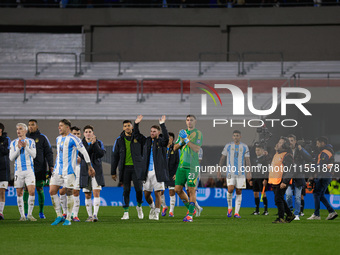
(99, 53)
(297, 76)
(201, 54)
(261, 53)
(55, 53)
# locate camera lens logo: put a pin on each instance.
(204, 96)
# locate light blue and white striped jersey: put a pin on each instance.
(23, 157)
(67, 153)
(236, 155)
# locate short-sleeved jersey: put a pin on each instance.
(24, 161)
(189, 158)
(236, 155)
(67, 153)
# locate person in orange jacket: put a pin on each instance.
(279, 177)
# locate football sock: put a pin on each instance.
(76, 204)
(257, 203)
(197, 205)
(20, 201)
(2, 206)
(41, 199)
(31, 200)
(230, 200)
(172, 203)
(265, 203)
(69, 207)
(96, 204)
(26, 201)
(88, 205)
(163, 201)
(186, 203)
(63, 201)
(238, 203)
(191, 208)
(56, 205)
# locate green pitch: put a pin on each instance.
(212, 233)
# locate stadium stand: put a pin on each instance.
(55, 87)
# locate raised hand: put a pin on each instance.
(21, 144)
(162, 120)
(183, 134)
(94, 139)
(139, 119)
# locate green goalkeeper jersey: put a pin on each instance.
(189, 158)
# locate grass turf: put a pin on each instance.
(212, 233)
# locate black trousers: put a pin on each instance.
(130, 175)
(280, 201)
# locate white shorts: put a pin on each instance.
(65, 181)
(77, 180)
(93, 185)
(238, 181)
(151, 182)
(22, 178)
(3, 185)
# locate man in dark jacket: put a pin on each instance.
(279, 177)
(4, 167)
(155, 166)
(127, 156)
(260, 160)
(325, 159)
(301, 157)
(44, 157)
(95, 149)
(173, 161)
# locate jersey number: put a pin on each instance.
(191, 176)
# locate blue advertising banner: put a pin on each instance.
(113, 196)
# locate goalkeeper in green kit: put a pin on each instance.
(189, 142)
